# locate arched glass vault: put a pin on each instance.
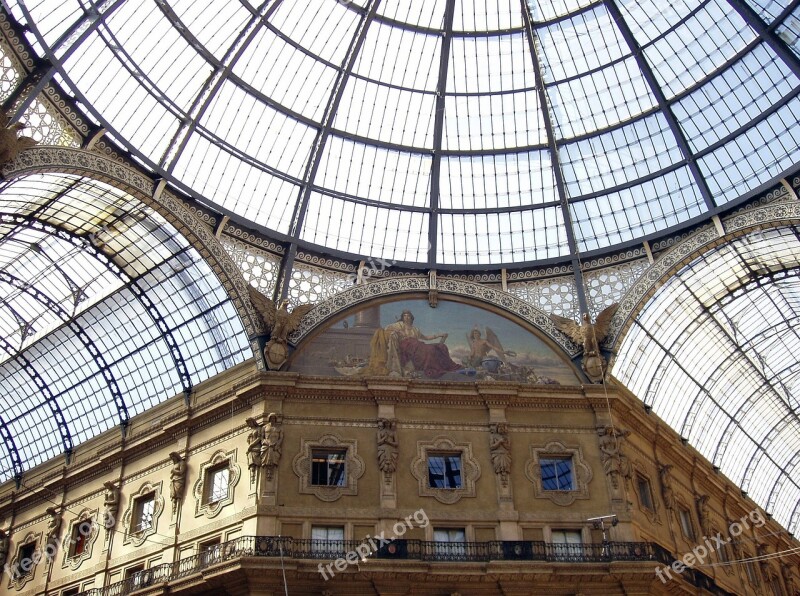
(105, 311)
(714, 353)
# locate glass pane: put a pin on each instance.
(557, 474)
(444, 471)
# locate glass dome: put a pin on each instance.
(563, 146)
(446, 133)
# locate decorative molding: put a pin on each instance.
(211, 510)
(396, 286)
(137, 537)
(18, 581)
(354, 467)
(581, 470)
(470, 470)
(86, 524)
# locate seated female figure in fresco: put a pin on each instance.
(399, 349)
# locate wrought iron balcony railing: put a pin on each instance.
(330, 550)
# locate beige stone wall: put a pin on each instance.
(434, 416)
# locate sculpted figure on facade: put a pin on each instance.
(53, 525)
(590, 336)
(387, 446)
(667, 492)
(264, 444)
(500, 449)
(704, 513)
(615, 464)
(271, 445)
(177, 479)
(110, 506)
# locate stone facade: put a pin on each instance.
(244, 537)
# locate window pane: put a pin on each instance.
(686, 524)
(567, 544)
(557, 474)
(219, 485)
(645, 497)
(451, 542)
(328, 468)
(444, 471)
(145, 506)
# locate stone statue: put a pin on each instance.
(761, 552)
(667, 492)
(11, 145)
(615, 464)
(279, 322)
(500, 449)
(4, 545)
(111, 505)
(704, 513)
(254, 440)
(177, 479)
(53, 525)
(264, 445)
(590, 336)
(788, 578)
(271, 444)
(387, 446)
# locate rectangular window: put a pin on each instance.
(217, 482)
(71, 591)
(25, 559)
(328, 467)
(450, 542)
(135, 577)
(567, 545)
(210, 551)
(80, 532)
(686, 523)
(143, 512)
(557, 473)
(444, 470)
(327, 539)
(645, 494)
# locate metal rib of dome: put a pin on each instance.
(448, 132)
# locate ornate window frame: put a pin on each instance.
(581, 470)
(653, 513)
(18, 581)
(354, 467)
(220, 457)
(137, 538)
(89, 516)
(470, 470)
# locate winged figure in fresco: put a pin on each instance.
(279, 322)
(10, 144)
(590, 336)
(481, 347)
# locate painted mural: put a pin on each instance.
(453, 342)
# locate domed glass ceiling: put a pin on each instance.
(442, 132)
